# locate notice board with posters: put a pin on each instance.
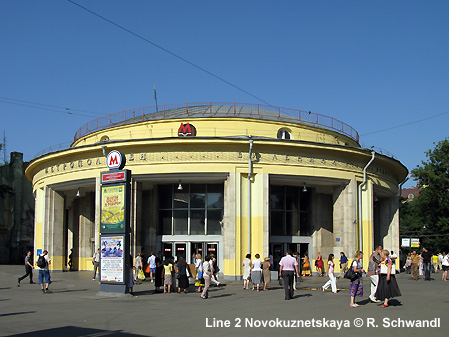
(112, 259)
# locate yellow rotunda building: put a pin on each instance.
(222, 178)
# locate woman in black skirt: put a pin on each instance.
(387, 287)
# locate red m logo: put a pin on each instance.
(113, 160)
(186, 130)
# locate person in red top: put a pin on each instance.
(319, 264)
(288, 267)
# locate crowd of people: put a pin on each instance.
(173, 276)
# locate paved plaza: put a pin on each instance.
(74, 308)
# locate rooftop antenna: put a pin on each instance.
(155, 97)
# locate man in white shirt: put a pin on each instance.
(152, 263)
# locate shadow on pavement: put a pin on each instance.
(17, 313)
(72, 331)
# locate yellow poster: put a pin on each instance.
(112, 208)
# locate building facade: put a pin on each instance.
(228, 179)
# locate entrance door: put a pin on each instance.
(277, 251)
(212, 248)
(181, 250)
(196, 248)
(167, 250)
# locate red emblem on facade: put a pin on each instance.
(186, 130)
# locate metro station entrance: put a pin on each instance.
(188, 249)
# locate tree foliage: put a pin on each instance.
(428, 214)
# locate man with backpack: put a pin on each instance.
(43, 261)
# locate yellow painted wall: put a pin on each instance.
(367, 222)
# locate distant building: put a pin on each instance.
(410, 193)
(16, 211)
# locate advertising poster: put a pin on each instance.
(112, 209)
(112, 262)
(414, 243)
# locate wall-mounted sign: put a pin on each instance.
(116, 160)
(186, 130)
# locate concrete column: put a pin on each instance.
(389, 223)
(266, 215)
(53, 229)
(229, 226)
(367, 222)
(39, 216)
(86, 220)
(322, 212)
(345, 219)
(137, 242)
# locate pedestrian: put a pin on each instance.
(440, 261)
(158, 274)
(288, 268)
(415, 265)
(96, 263)
(373, 267)
(183, 275)
(246, 271)
(152, 265)
(330, 273)
(28, 269)
(168, 279)
(421, 266)
(298, 259)
(427, 262)
(43, 262)
(138, 264)
(131, 279)
(319, 264)
(215, 270)
(266, 272)
(408, 263)
(256, 271)
(199, 272)
(306, 266)
(445, 265)
(388, 287)
(343, 264)
(207, 274)
(356, 286)
(435, 263)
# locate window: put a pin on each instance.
(195, 210)
(289, 211)
(284, 134)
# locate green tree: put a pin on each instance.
(430, 210)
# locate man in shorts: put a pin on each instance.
(44, 272)
(152, 264)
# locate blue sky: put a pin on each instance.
(371, 64)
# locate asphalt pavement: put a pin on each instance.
(75, 308)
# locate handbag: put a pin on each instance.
(351, 274)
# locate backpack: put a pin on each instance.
(41, 262)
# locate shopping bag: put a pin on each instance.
(141, 275)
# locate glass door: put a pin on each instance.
(196, 248)
(167, 248)
(181, 250)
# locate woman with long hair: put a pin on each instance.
(246, 271)
(387, 286)
(445, 266)
(183, 275)
(330, 272)
(356, 286)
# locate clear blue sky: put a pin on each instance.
(371, 64)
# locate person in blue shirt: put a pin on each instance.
(343, 264)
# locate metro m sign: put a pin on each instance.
(186, 130)
(115, 160)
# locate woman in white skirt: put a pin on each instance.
(330, 272)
